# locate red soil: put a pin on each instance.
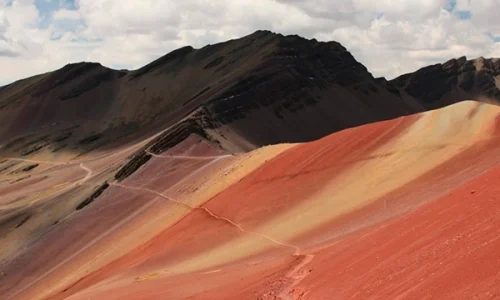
(403, 209)
(294, 175)
(447, 249)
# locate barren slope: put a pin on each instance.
(396, 209)
(258, 90)
(262, 89)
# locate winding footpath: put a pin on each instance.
(294, 276)
(188, 156)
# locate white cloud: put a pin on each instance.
(26, 49)
(389, 36)
(403, 8)
(484, 14)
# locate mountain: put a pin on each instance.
(393, 209)
(262, 89)
(267, 167)
(456, 80)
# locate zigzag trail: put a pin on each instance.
(73, 184)
(208, 211)
(212, 214)
(296, 274)
(87, 177)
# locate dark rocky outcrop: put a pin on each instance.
(196, 124)
(455, 80)
(177, 134)
(92, 197)
(132, 165)
(25, 169)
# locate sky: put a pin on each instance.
(390, 37)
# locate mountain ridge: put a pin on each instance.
(264, 88)
(241, 167)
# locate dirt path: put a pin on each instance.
(87, 177)
(34, 161)
(211, 214)
(295, 275)
(187, 156)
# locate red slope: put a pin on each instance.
(368, 212)
(447, 249)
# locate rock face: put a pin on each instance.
(457, 79)
(300, 90)
(262, 89)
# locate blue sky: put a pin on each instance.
(47, 8)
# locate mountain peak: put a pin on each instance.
(82, 63)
